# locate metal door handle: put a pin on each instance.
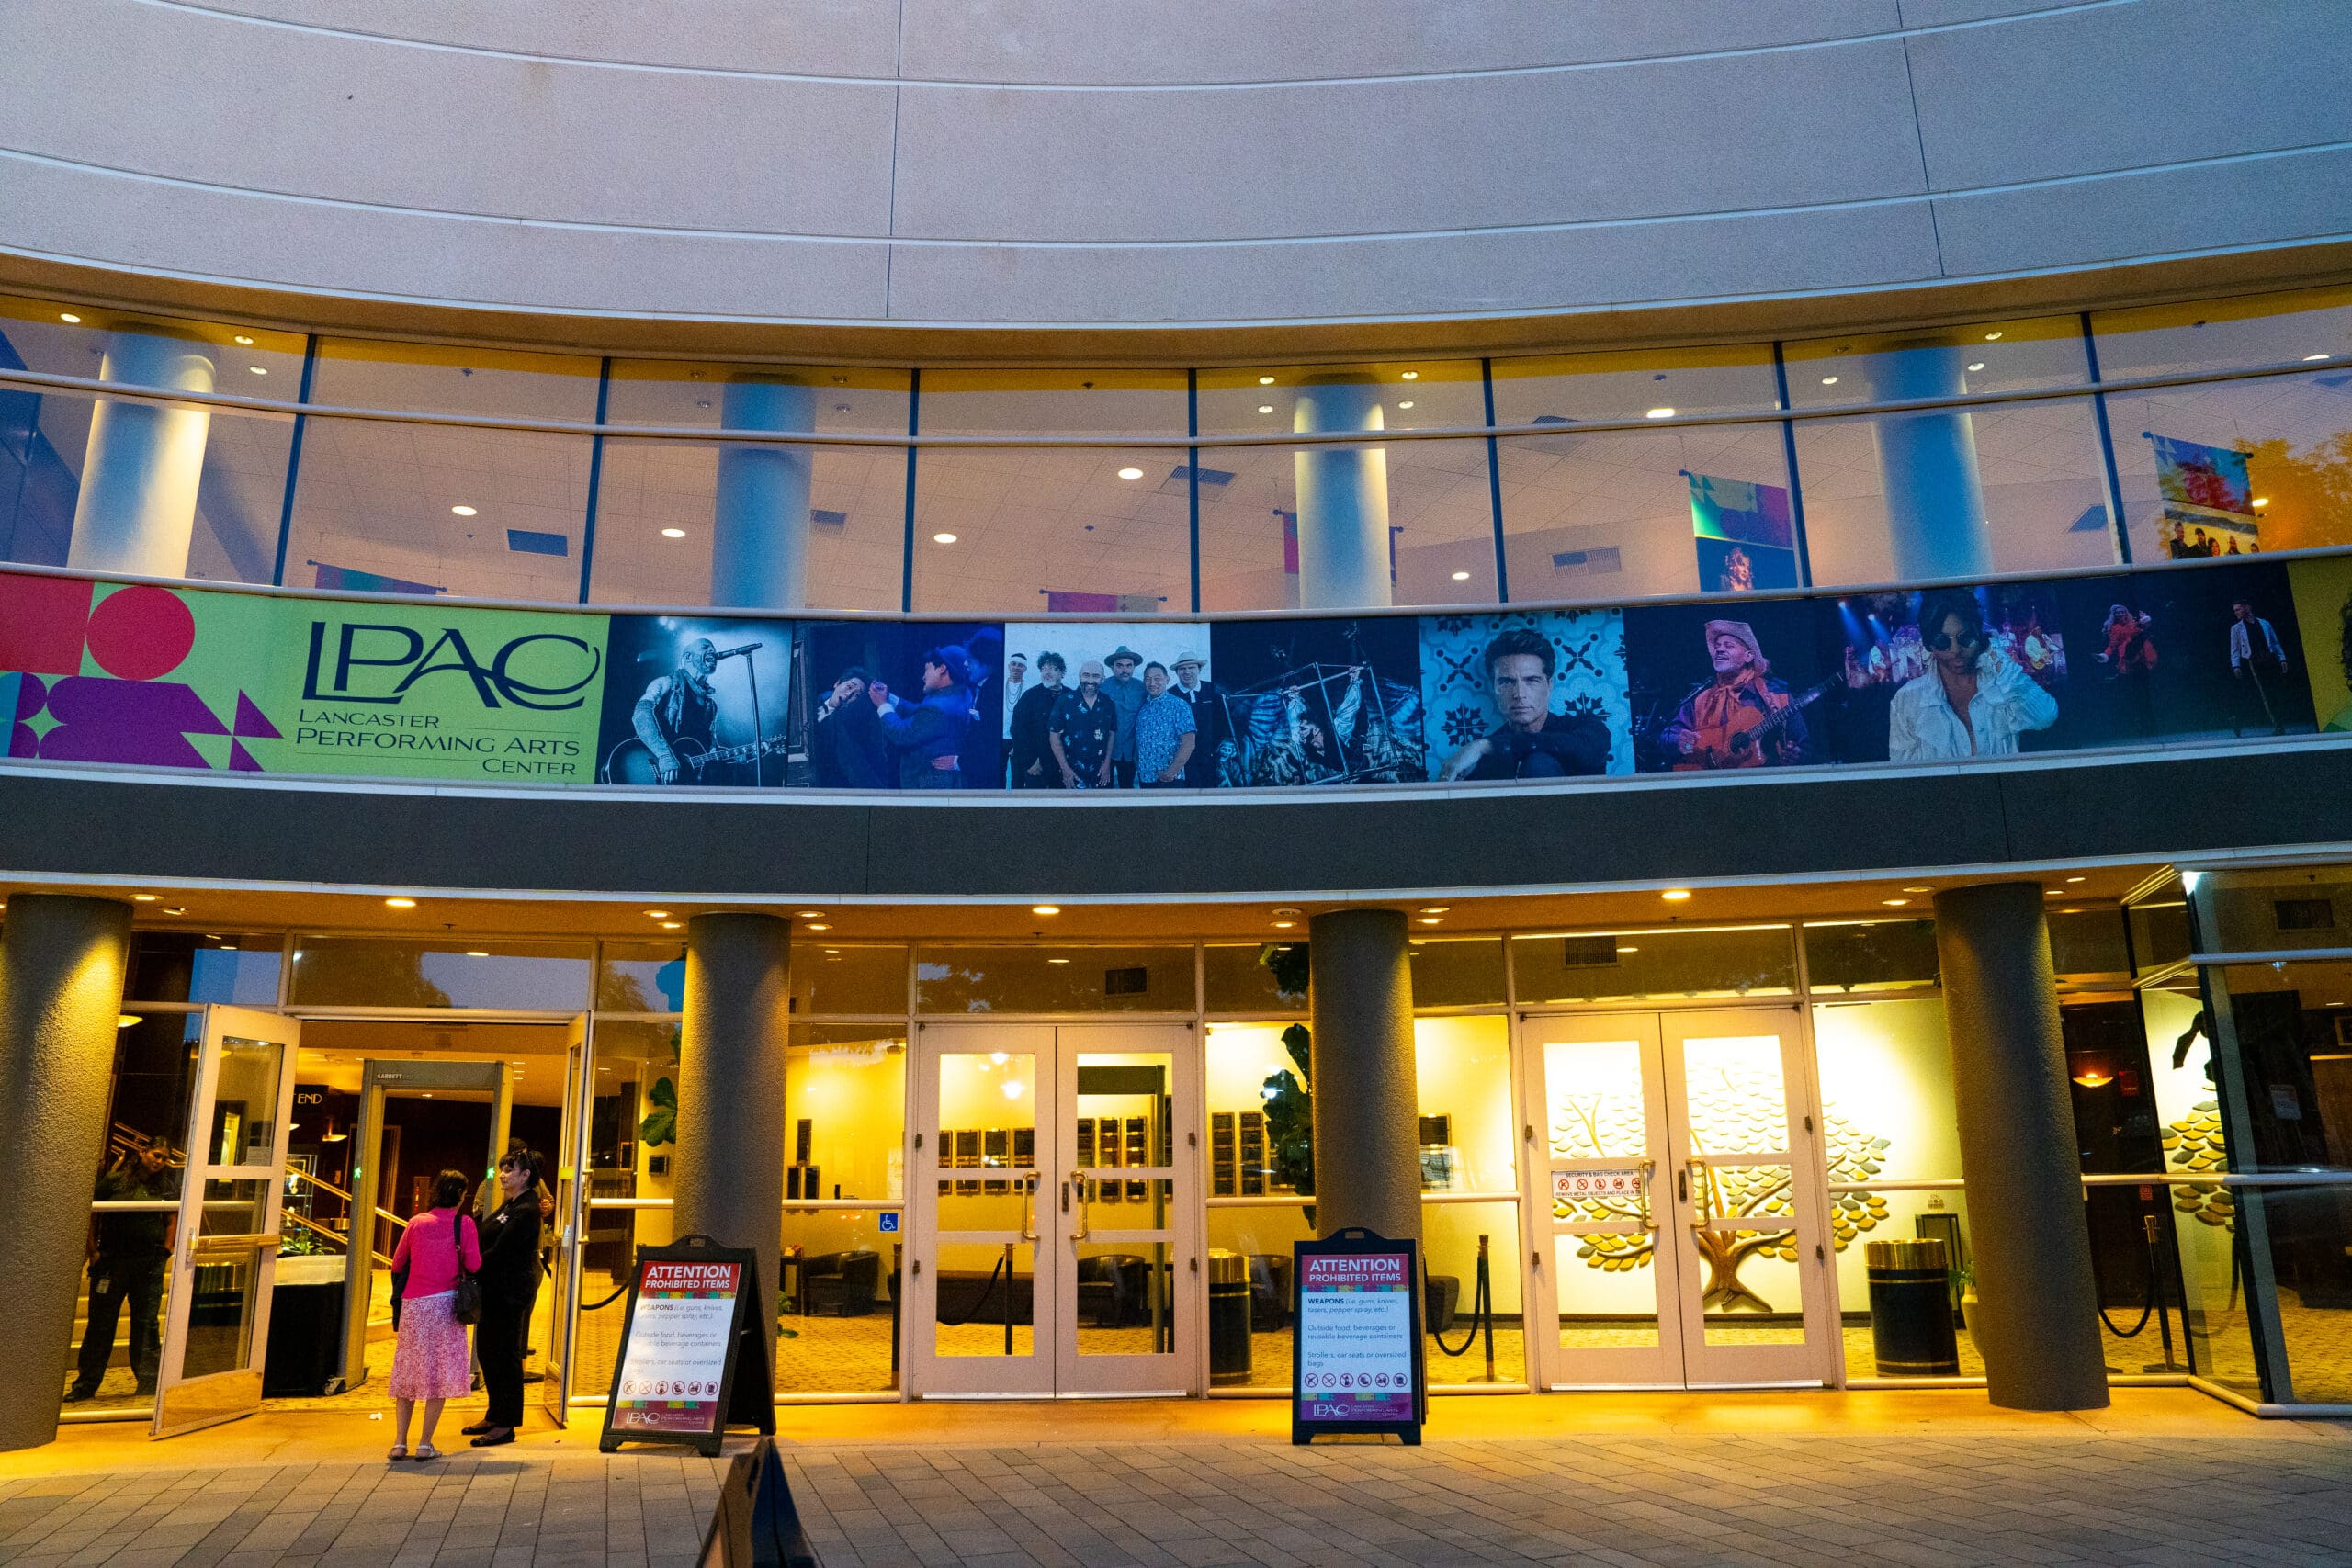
(1085, 1229)
(1682, 1184)
(1029, 1208)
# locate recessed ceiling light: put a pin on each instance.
(1460, 577)
(1285, 925)
(811, 914)
(1675, 895)
(69, 317)
(125, 1019)
(476, 953)
(1829, 380)
(1624, 948)
(2261, 500)
(819, 926)
(1978, 365)
(174, 909)
(1405, 403)
(1920, 889)
(400, 903)
(674, 533)
(1056, 959)
(2053, 893)
(1131, 473)
(1412, 374)
(943, 539)
(1433, 919)
(243, 338)
(258, 369)
(1265, 408)
(461, 511)
(1992, 337)
(1265, 380)
(673, 925)
(142, 897)
(659, 914)
(1659, 413)
(1435, 909)
(2078, 879)
(1045, 908)
(1894, 903)
(2307, 359)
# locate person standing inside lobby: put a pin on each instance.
(129, 1253)
(510, 1284)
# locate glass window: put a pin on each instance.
(233, 462)
(1870, 955)
(845, 978)
(1053, 979)
(2234, 468)
(2205, 1284)
(1454, 1236)
(2089, 942)
(2275, 911)
(641, 976)
(1261, 1122)
(2224, 334)
(452, 971)
(1469, 1142)
(844, 1108)
(632, 1150)
(1986, 356)
(2160, 933)
(1400, 395)
(183, 966)
(419, 508)
(1239, 977)
(1573, 389)
(1456, 972)
(1704, 961)
(1626, 515)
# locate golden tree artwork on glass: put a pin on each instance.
(2195, 1145)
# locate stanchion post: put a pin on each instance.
(1007, 1298)
(1485, 1306)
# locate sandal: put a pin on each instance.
(400, 1452)
(426, 1451)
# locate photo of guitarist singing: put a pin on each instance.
(680, 709)
(1741, 718)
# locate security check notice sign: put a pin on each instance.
(674, 1369)
(1357, 1350)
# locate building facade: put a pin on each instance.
(1760, 670)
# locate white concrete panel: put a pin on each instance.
(1714, 135)
(1470, 275)
(2130, 86)
(146, 225)
(823, 37)
(1277, 40)
(171, 91)
(2250, 202)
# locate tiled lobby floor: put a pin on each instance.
(2167, 1477)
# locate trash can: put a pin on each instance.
(304, 1353)
(1229, 1358)
(1911, 1327)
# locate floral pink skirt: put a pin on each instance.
(430, 1359)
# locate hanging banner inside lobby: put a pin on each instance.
(1356, 1352)
(692, 1309)
(2209, 499)
(1746, 532)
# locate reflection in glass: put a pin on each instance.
(1462, 1070)
(641, 976)
(838, 1303)
(220, 1317)
(848, 979)
(1262, 1119)
(451, 972)
(1238, 980)
(177, 967)
(1125, 1305)
(1053, 979)
(245, 1105)
(1720, 961)
(1454, 972)
(1870, 955)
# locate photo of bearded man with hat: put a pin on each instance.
(1741, 718)
(1126, 651)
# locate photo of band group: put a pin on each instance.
(144, 675)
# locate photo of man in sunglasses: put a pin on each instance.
(1973, 700)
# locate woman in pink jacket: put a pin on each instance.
(429, 1360)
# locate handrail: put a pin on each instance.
(340, 1240)
(382, 1213)
(44, 380)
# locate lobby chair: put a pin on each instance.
(840, 1285)
(1443, 1295)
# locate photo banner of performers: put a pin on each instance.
(1727, 685)
(706, 701)
(2213, 654)
(1321, 702)
(1529, 695)
(2324, 610)
(1908, 662)
(918, 706)
(1131, 665)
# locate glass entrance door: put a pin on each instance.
(555, 1388)
(224, 1249)
(1676, 1229)
(1056, 1211)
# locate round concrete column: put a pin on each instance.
(136, 511)
(759, 541)
(2036, 1317)
(729, 1181)
(1927, 465)
(1367, 1119)
(1343, 500)
(62, 965)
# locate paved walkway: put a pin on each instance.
(2168, 1477)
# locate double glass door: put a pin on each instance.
(1677, 1228)
(1056, 1211)
(224, 1241)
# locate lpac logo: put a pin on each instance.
(375, 662)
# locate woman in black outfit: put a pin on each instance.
(510, 1283)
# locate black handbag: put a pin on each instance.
(466, 1304)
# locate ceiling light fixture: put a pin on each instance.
(1659, 413)
(1131, 473)
(1265, 380)
(1676, 895)
(258, 369)
(1405, 403)
(125, 1019)
(819, 926)
(2313, 358)
(811, 914)
(1045, 908)
(1056, 959)
(1460, 577)
(943, 539)
(659, 914)
(1285, 925)
(476, 953)
(1992, 337)
(1978, 365)
(1829, 380)
(461, 512)
(142, 897)
(69, 318)
(673, 925)
(174, 909)
(400, 903)
(674, 533)
(1433, 919)
(1624, 948)
(2261, 500)
(1894, 903)
(1412, 374)
(1265, 408)
(243, 338)
(1435, 909)
(2078, 879)
(1919, 889)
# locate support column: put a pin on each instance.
(1343, 500)
(1367, 1118)
(63, 961)
(1927, 465)
(758, 543)
(136, 511)
(730, 1180)
(2036, 1317)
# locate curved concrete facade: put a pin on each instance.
(1051, 163)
